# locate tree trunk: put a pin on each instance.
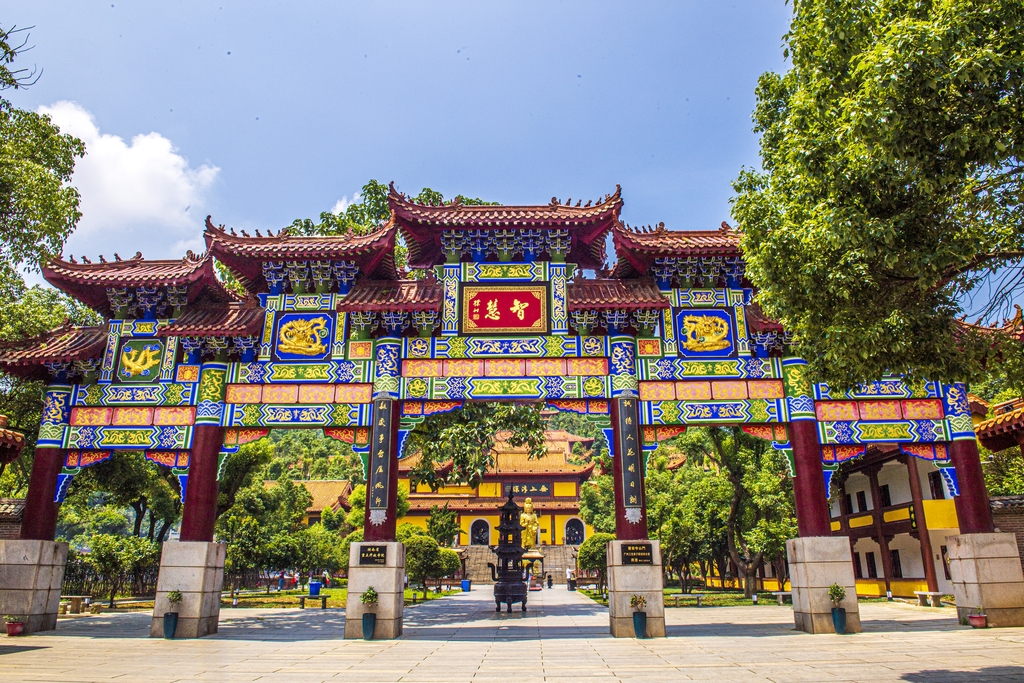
(152, 526)
(114, 585)
(139, 507)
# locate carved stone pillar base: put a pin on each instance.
(196, 569)
(388, 579)
(31, 574)
(987, 574)
(627, 580)
(815, 563)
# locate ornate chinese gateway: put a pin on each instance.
(329, 336)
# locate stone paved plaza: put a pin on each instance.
(564, 637)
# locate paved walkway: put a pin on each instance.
(562, 638)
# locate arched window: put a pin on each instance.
(574, 532)
(480, 533)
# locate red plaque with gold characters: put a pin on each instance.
(498, 309)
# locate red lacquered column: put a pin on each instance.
(40, 520)
(972, 506)
(200, 510)
(812, 514)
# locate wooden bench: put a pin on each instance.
(782, 595)
(322, 598)
(700, 598)
(923, 597)
(76, 602)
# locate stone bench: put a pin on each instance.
(76, 602)
(782, 595)
(322, 598)
(700, 598)
(924, 597)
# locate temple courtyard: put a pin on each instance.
(563, 637)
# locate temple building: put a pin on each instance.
(552, 481)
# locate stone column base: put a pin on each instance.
(987, 574)
(196, 569)
(815, 563)
(627, 580)
(31, 574)
(388, 580)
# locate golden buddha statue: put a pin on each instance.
(531, 524)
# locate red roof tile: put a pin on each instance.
(88, 282)
(27, 357)
(1002, 431)
(244, 256)
(614, 294)
(423, 224)
(637, 247)
(757, 321)
(396, 295)
(11, 442)
(233, 320)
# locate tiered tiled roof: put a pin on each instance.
(244, 255)
(88, 282)
(12, 509)
(638, 247)
(326, 493)
(238, 319)
(1012, 327)
(757, 321)
(615, 294)
(1006, 429)
(395, 295)
(423, 224)
(28, 357)
(11, 442)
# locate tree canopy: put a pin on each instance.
(889, 200)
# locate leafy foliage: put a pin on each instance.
(443, 525)
(891, 187)
(357, 499)
(593, 555)
(597, 503)
(115, 557)
(465, 438)
(422, 560)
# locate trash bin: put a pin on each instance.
(314, 587)
(466, 583)
(572, 584)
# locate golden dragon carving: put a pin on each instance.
(303, 337)
(705, 333)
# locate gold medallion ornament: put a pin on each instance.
(705, 333)
(303, 336)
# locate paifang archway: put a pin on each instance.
(330, 336)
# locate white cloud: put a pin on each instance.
(139, 196)
(343, 203)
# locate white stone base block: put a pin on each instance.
(815, 563)
(627, 580)
(987, 574)
(388, 580)
(31, 574)
(196, 569)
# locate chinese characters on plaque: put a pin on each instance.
(631, 459)
(527, 488)
(373, 554)
(637, 553)
(497, 309)
(378, 484)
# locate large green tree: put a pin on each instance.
(889, 199)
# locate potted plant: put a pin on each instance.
(171, 618)
(837, 594)
(15, 625)
(638, 603)
(369, 600)
(979, 619)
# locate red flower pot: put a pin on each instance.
(978, 620)
(15, 628)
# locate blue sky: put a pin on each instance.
(260, 113)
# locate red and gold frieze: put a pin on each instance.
(97, 417)
(280, 393)
(174, 416)
(360, 350)
(657, 391)
(353, 393)
(923, 409)
(766, 388)
(648, 347)
(880, 410)
(187, 374)
(169, 458)
(545, 367)
(132, 417)
(504, 367)
(243, 393)
(725, 391)
(422, 368)
(586, 366)
(693, 391)
(463, 368)
(73, 459)
(836, 411)
(316, 393)
(492, 309)
(238, 437)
